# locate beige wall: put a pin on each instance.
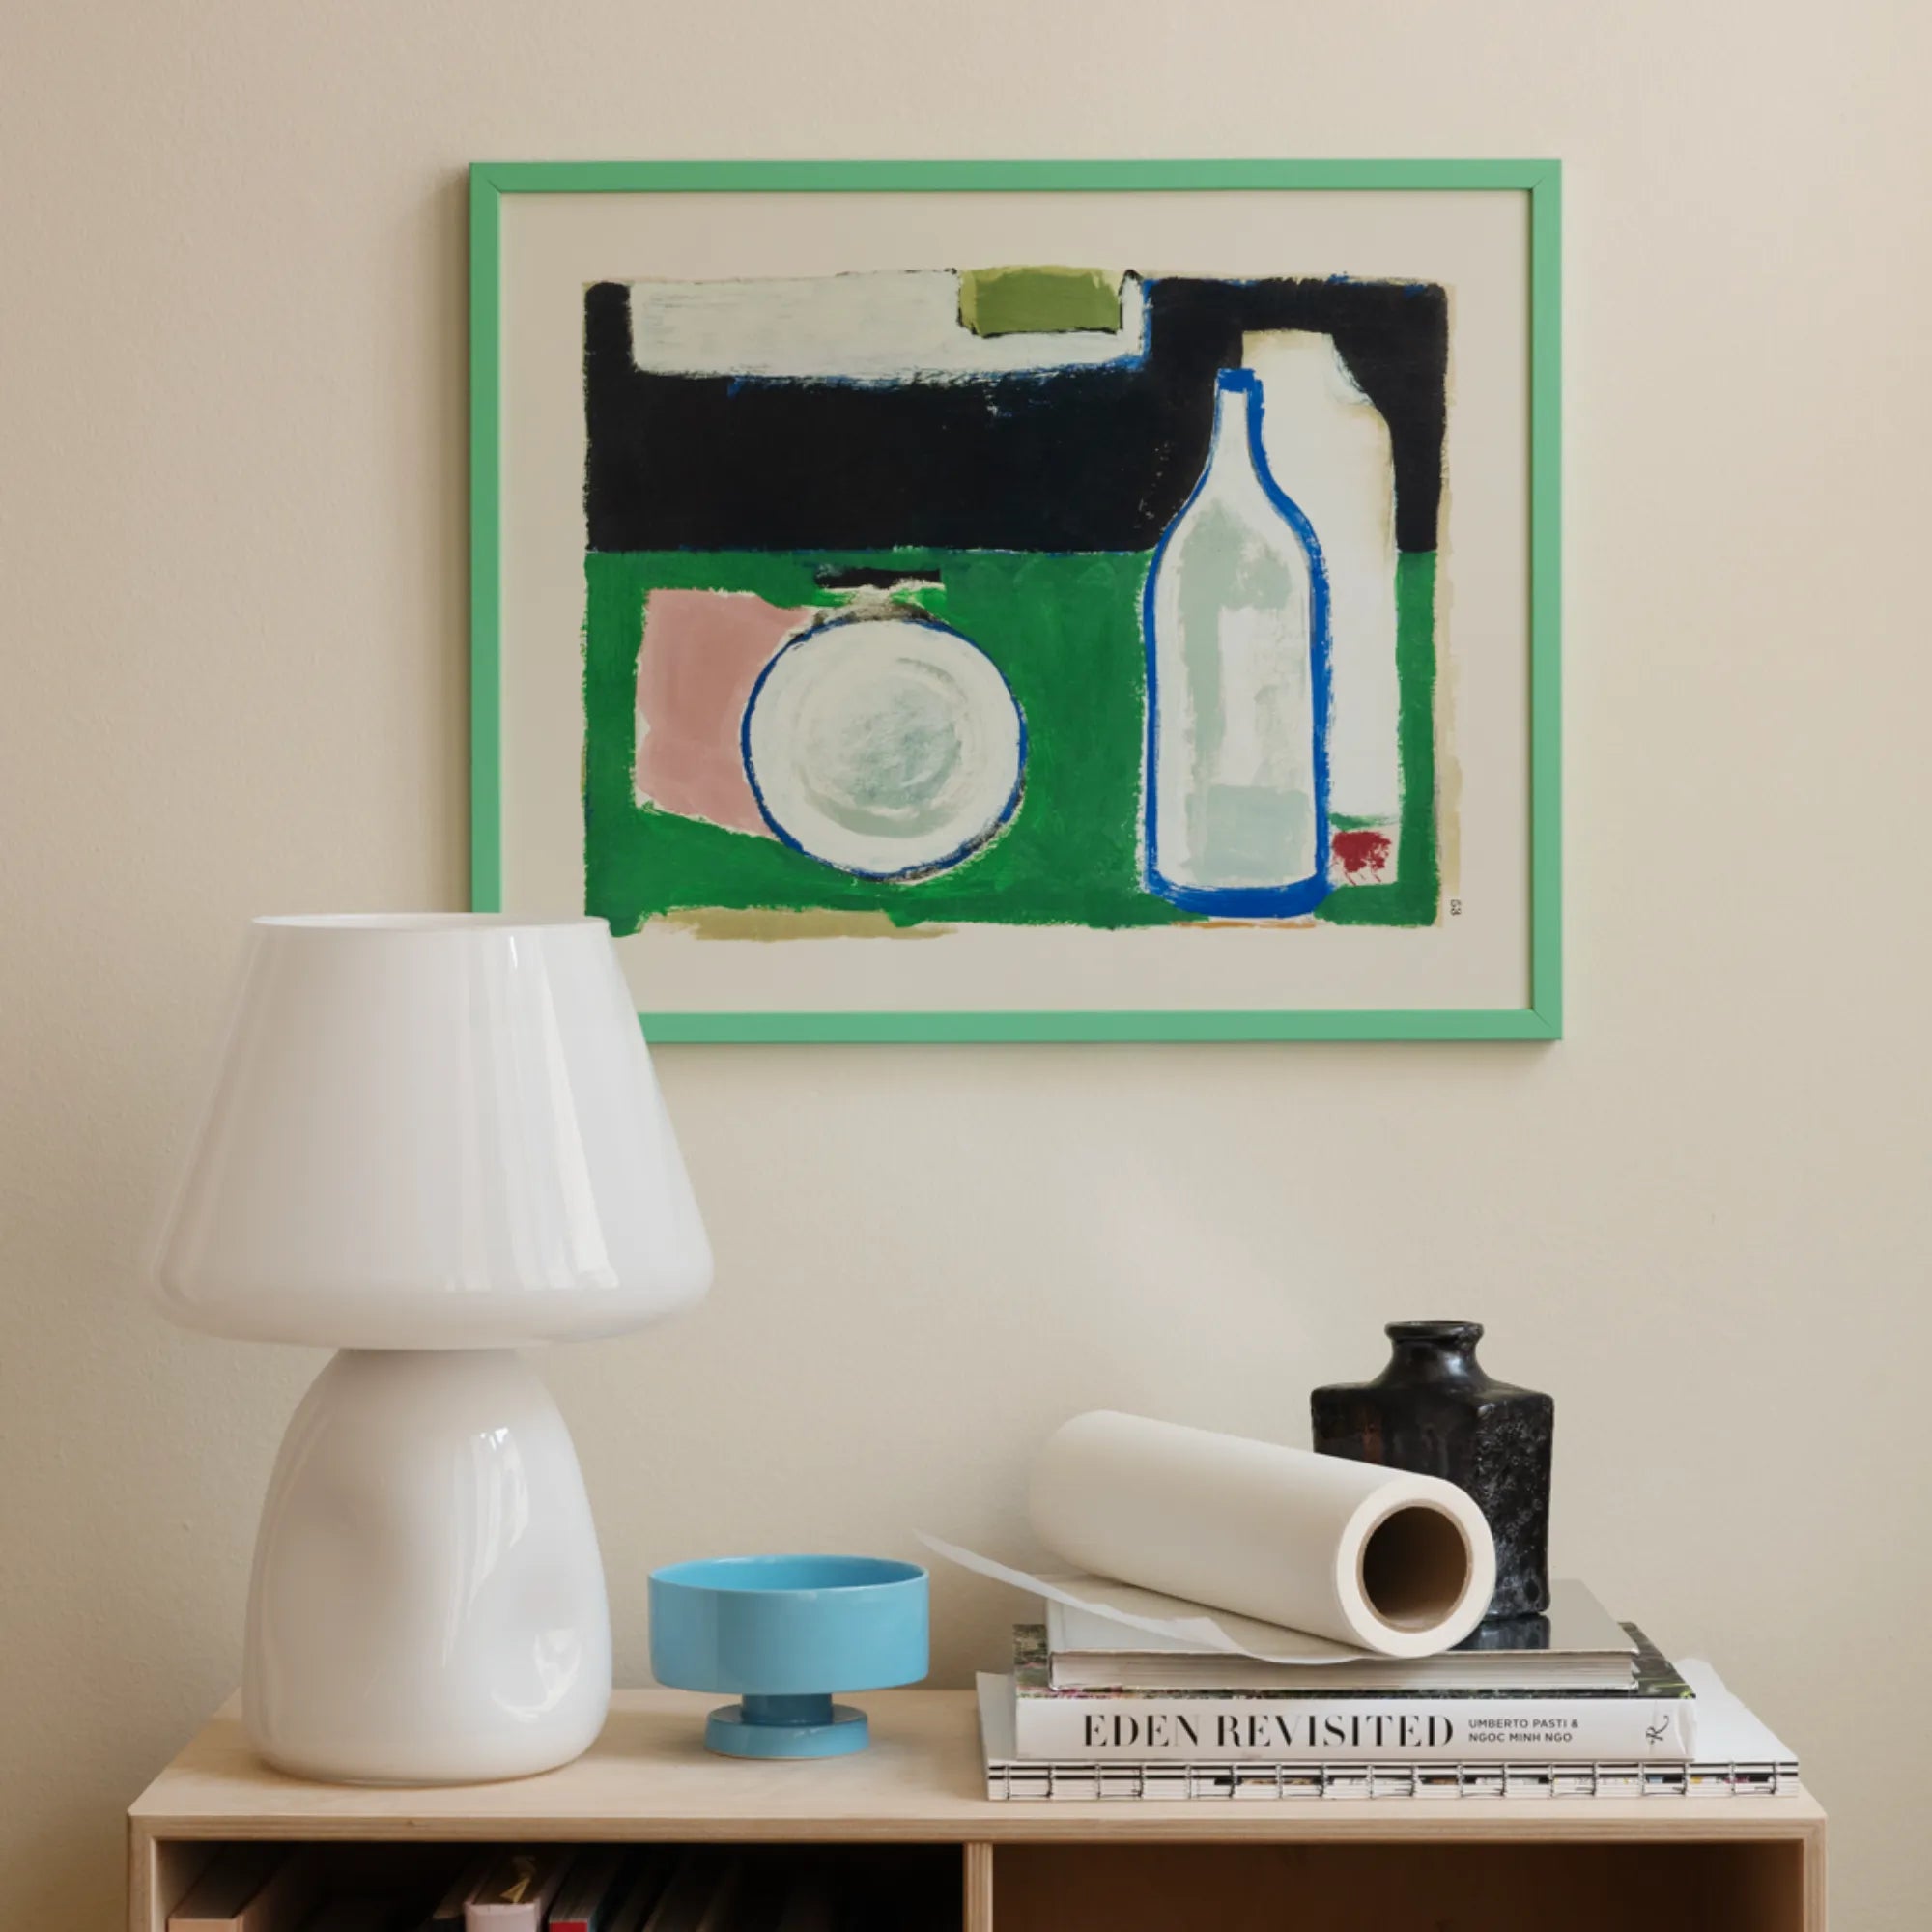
(232, 497)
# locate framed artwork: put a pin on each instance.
(1025, 601)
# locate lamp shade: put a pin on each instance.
(432, 1131)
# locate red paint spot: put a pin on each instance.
(1361, 851)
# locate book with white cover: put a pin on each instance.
(1734, 1753)
(1656, 1721)
(518, 1889)
(1576, 1645)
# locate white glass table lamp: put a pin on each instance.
(433, 1140)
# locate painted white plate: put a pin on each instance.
(889, 747)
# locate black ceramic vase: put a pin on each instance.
(1433, 1410)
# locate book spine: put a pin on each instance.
(1233, 1730)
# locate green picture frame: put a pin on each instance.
(1539, 1019)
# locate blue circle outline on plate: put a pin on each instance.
(927, 868)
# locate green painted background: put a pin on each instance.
(1065, 632)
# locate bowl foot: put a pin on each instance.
(770, 1726)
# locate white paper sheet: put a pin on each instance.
(1194, 1624)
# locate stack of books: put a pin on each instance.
(1571, 1704)
(539, 1889)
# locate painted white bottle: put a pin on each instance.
(1328, 447)
(1236, 617)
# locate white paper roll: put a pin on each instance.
(1392, 1562)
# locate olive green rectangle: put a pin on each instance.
(1039, 302)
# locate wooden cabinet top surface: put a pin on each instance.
(649, 1777)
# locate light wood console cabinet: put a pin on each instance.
(913, 1807)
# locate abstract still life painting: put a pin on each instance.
(896, 634)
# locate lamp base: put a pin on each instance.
(427, 1604)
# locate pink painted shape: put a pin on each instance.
(702, 653)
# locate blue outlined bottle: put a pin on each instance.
(1236, 621)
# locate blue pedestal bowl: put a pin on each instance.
(785, 1632)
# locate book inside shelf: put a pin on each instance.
(267, 1885)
